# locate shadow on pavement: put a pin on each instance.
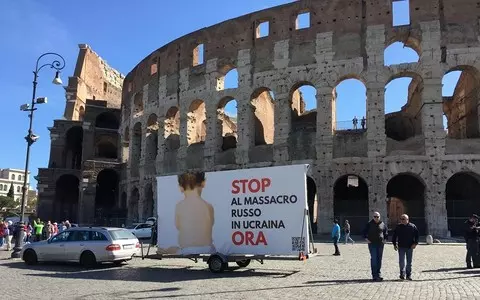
(163, 273)
(444, 270)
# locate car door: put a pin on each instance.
(54, 250)
(76, 243)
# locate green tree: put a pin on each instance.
(7, 202)
(11, 191)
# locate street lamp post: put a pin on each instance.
(58, 64)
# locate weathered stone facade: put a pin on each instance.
(85, 168)
(345, 39)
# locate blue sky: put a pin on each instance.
(123, 33)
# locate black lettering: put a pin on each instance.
(236, 224)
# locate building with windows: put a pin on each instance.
(15, 177)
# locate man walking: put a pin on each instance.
(376, 234)
(336, 236)
(405, 240)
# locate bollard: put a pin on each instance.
(429, 240)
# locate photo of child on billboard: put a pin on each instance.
(194, 217)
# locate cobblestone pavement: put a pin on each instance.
(439, 273)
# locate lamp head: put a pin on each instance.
(57, 80)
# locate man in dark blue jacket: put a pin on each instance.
(405, 239)
(376, 234)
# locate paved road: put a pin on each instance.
(439, 273)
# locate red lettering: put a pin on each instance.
(239, 238)
(242, 186)
(235, 241)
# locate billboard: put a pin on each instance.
(257, 211)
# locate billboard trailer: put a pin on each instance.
(233, 216)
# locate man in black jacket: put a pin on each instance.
(472, 240)
(376, 234)
(405, 239)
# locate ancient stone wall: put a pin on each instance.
(345, 39)
(93, 79)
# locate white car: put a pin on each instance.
(86, 245)
(142, 230)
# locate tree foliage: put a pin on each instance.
(11, 192)
(7, 202)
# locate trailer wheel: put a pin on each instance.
(216, 264)
(243, 263)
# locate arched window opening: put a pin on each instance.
(229, 80)
(399, 53)
(138, 104)
(133, 213)
(107, 120)
(227, 116)
(312, 200)
(73, 150)
(462, 192)
(81, 113)
(172, 129)
(350, 202)
(349, 105)
(263, 112)
(406, 195)
(152, 139)
(304, 108)
(65, 205)
(136, 148)
(461, 92)
(403, 105)
(123, 203)
(148, 204)
(126, 145)
(106, 195)
(197, 129)
(106, 149)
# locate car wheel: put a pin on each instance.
(87, 259)
(216, 264)
(30, 257)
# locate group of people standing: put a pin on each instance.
(472, 238)
(405, 239)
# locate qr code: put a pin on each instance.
(298, 243)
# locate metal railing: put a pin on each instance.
(348, 125)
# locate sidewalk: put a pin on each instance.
(325, 238)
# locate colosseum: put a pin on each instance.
(173, 114)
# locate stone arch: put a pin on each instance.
(133, 205)
(72, 158)
(136, 148)
(65, 206)
(172, 129)
(106, 148)
(404, 122)
(151, 139)
(303, 103)
(350, 201)
(138, 104)
(228, 77)
(406, 194)
(263, 109)
(126, 144)
(107, 120)
(462, 190)
(106, 195)
(407, 48)
(196, 119)
(227, 119)
(346, 110)
(312, 200)
(81, 113)
(461, 109)
(148, 204)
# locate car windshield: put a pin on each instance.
(121, 234)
